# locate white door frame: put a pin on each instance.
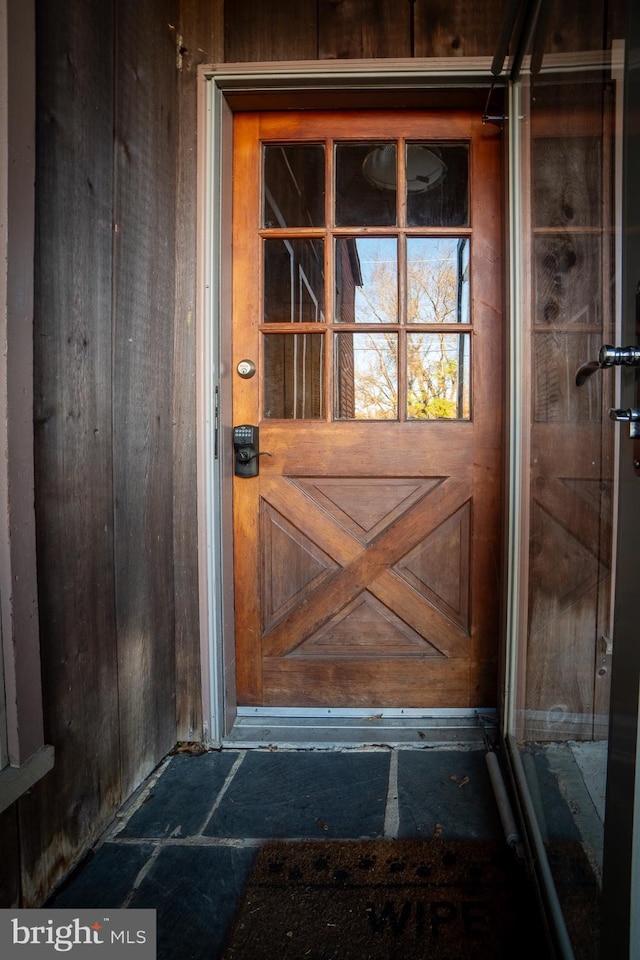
(224, 89)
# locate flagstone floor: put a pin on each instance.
(185, 844)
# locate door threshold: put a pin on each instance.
(329, 728)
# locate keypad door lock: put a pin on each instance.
(245, 445)
(246, 442)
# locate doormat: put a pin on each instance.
(385, 900)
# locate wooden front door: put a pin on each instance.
(367, 292)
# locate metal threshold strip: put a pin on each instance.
(327, 728)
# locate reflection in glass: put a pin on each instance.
(293, 281)
(363, 197)
(562, 714)
(576, 200)
(437, 280)
(445, 200)
(293, 179)
(366, 376)
(567, 288)
(366, 280)
(438, 374)
(293, 376)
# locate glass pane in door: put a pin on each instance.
(438, 280)
(366, 184)
(293, 281)
(437, 184)
(438, 376)
(569, 309)
(572, 438)
(293, 185)
(366, 270)
(366, 376)
(293, 377)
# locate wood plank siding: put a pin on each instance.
(109, 424)
(142, 336)
(74, 439)
(10, 846)
(115, 371)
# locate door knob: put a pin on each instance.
(608, 356)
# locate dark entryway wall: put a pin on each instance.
(114, 420)
(115, 357)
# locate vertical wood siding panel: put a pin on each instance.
(457, 28)
(362, 29)
(616, 21)
(145, 170)
(255, 30)
(576, 25)
(201, 41)
(73, 442)
(10, 847)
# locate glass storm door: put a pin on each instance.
(367, 349)
(575, 660)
